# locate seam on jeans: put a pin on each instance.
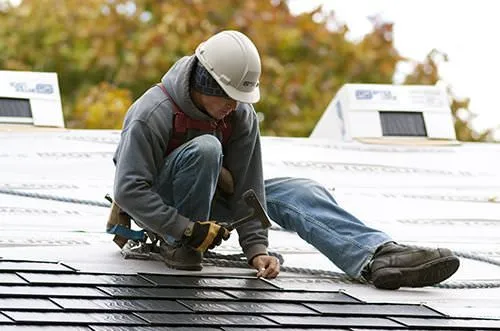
(320, 224)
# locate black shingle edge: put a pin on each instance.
(227, 291)
(69, 271)
(446, 317)
(150, 283)
(10, 320)
(344, 292)
(380, 304)
(105, 295)
(435, 310)
(201, 275)
(103, 288)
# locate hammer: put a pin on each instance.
(256, 212)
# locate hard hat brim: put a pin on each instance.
(245, 97)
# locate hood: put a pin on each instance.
(176, 81)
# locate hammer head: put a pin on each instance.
(258, 211)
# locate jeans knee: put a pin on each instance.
(298, 183)
(206, 147)
(310, 184)
(316, 189)
(300, 190)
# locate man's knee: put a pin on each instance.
(206, 146)
(298, 188)
(294, 183)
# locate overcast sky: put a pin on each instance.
(466, 31)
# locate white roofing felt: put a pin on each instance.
(446, 196)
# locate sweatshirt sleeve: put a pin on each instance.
(243, 158)
(137, 158)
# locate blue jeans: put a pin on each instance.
(306, 207)
(188, 181)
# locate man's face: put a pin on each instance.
(218, 107)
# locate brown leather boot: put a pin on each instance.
(182, 257)
(394, 266)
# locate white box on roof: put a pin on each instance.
(381, 110)
(31, 98)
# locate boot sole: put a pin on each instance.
(427, 274)
(192, 267)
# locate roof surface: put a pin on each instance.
(59, 270)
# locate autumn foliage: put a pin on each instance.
(107, 52)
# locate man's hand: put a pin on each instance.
(204, 235)
(267, 266)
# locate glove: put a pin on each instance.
(202, 236)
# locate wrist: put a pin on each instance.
(251, 261)
(254, 250)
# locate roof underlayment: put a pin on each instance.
(60, 270)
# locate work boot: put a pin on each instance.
(182, 257)
(394, 266)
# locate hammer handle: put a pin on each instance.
(233, 225)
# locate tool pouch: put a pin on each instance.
(119, 225)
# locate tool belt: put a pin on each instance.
(119, 223)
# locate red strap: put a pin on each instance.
(226, 130)
(183, 122)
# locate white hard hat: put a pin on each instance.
(233, 61)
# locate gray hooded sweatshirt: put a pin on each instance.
(141, 153)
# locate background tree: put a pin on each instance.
(427, 73)
(107, 52)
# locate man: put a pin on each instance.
(190, 147)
